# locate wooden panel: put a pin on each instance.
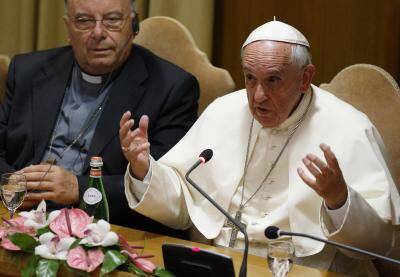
(341, 32)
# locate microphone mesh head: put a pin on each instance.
(271, 232)
(206, 155)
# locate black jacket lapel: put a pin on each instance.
(125, 94)
(48, 91)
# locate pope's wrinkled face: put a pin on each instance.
(103, 46)
(273, 82)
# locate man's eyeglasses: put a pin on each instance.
(112, 23)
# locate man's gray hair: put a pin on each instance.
(132, 5)
(300, 55)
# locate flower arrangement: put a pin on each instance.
(71, 238)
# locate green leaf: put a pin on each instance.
(115, 247)
(43, 230)
(112, 259)
(47, 268)
(75, 244)
(87, 245)
(29, 269)
(161, 272)
(24, 241)
(137, 271)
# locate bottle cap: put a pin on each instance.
(96, 162)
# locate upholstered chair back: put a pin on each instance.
(171, 40)
(374, 92)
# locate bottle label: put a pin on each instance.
(92, 196)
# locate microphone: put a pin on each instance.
(273, 232)
(204, 157)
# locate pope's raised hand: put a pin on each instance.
(135, 144)
(328, 179)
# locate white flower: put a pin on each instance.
(52, 247)
(99, 234)
(37, 218)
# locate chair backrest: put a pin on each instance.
(4, 62)
(171, 40)
(374, 92)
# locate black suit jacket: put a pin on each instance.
(146, 84)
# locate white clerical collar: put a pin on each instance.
(93, 79)
(298, 112)
(295, 116)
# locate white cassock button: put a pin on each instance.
(254, 223)
(272, 146)
(264, 214)
(266, 197)
(270, 181)
(274, 132)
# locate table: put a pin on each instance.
(12, 263)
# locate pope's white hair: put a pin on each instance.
(300, 55)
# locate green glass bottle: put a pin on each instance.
(94, 201)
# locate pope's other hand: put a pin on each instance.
(328, 179)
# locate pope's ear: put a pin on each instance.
(307, 77)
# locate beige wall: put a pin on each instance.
(196, 15)
(28, 25)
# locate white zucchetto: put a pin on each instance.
(277, 31)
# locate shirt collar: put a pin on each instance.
(93, 79)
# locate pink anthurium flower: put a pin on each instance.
(124, 244)
(15, 225)
(8, 245)
(37, 218)
(88, 261)
(99, 234)
(70, 223)
(53, 246)
(144, 264)
(141, 261)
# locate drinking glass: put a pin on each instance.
(12, 191)
(280, 257)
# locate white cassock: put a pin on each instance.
(283, 200)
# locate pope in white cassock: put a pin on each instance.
(286, 153)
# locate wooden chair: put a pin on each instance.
(4, 62)
(171, 40)
(374, 92)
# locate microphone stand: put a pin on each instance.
(243, 267)
(341, 245)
